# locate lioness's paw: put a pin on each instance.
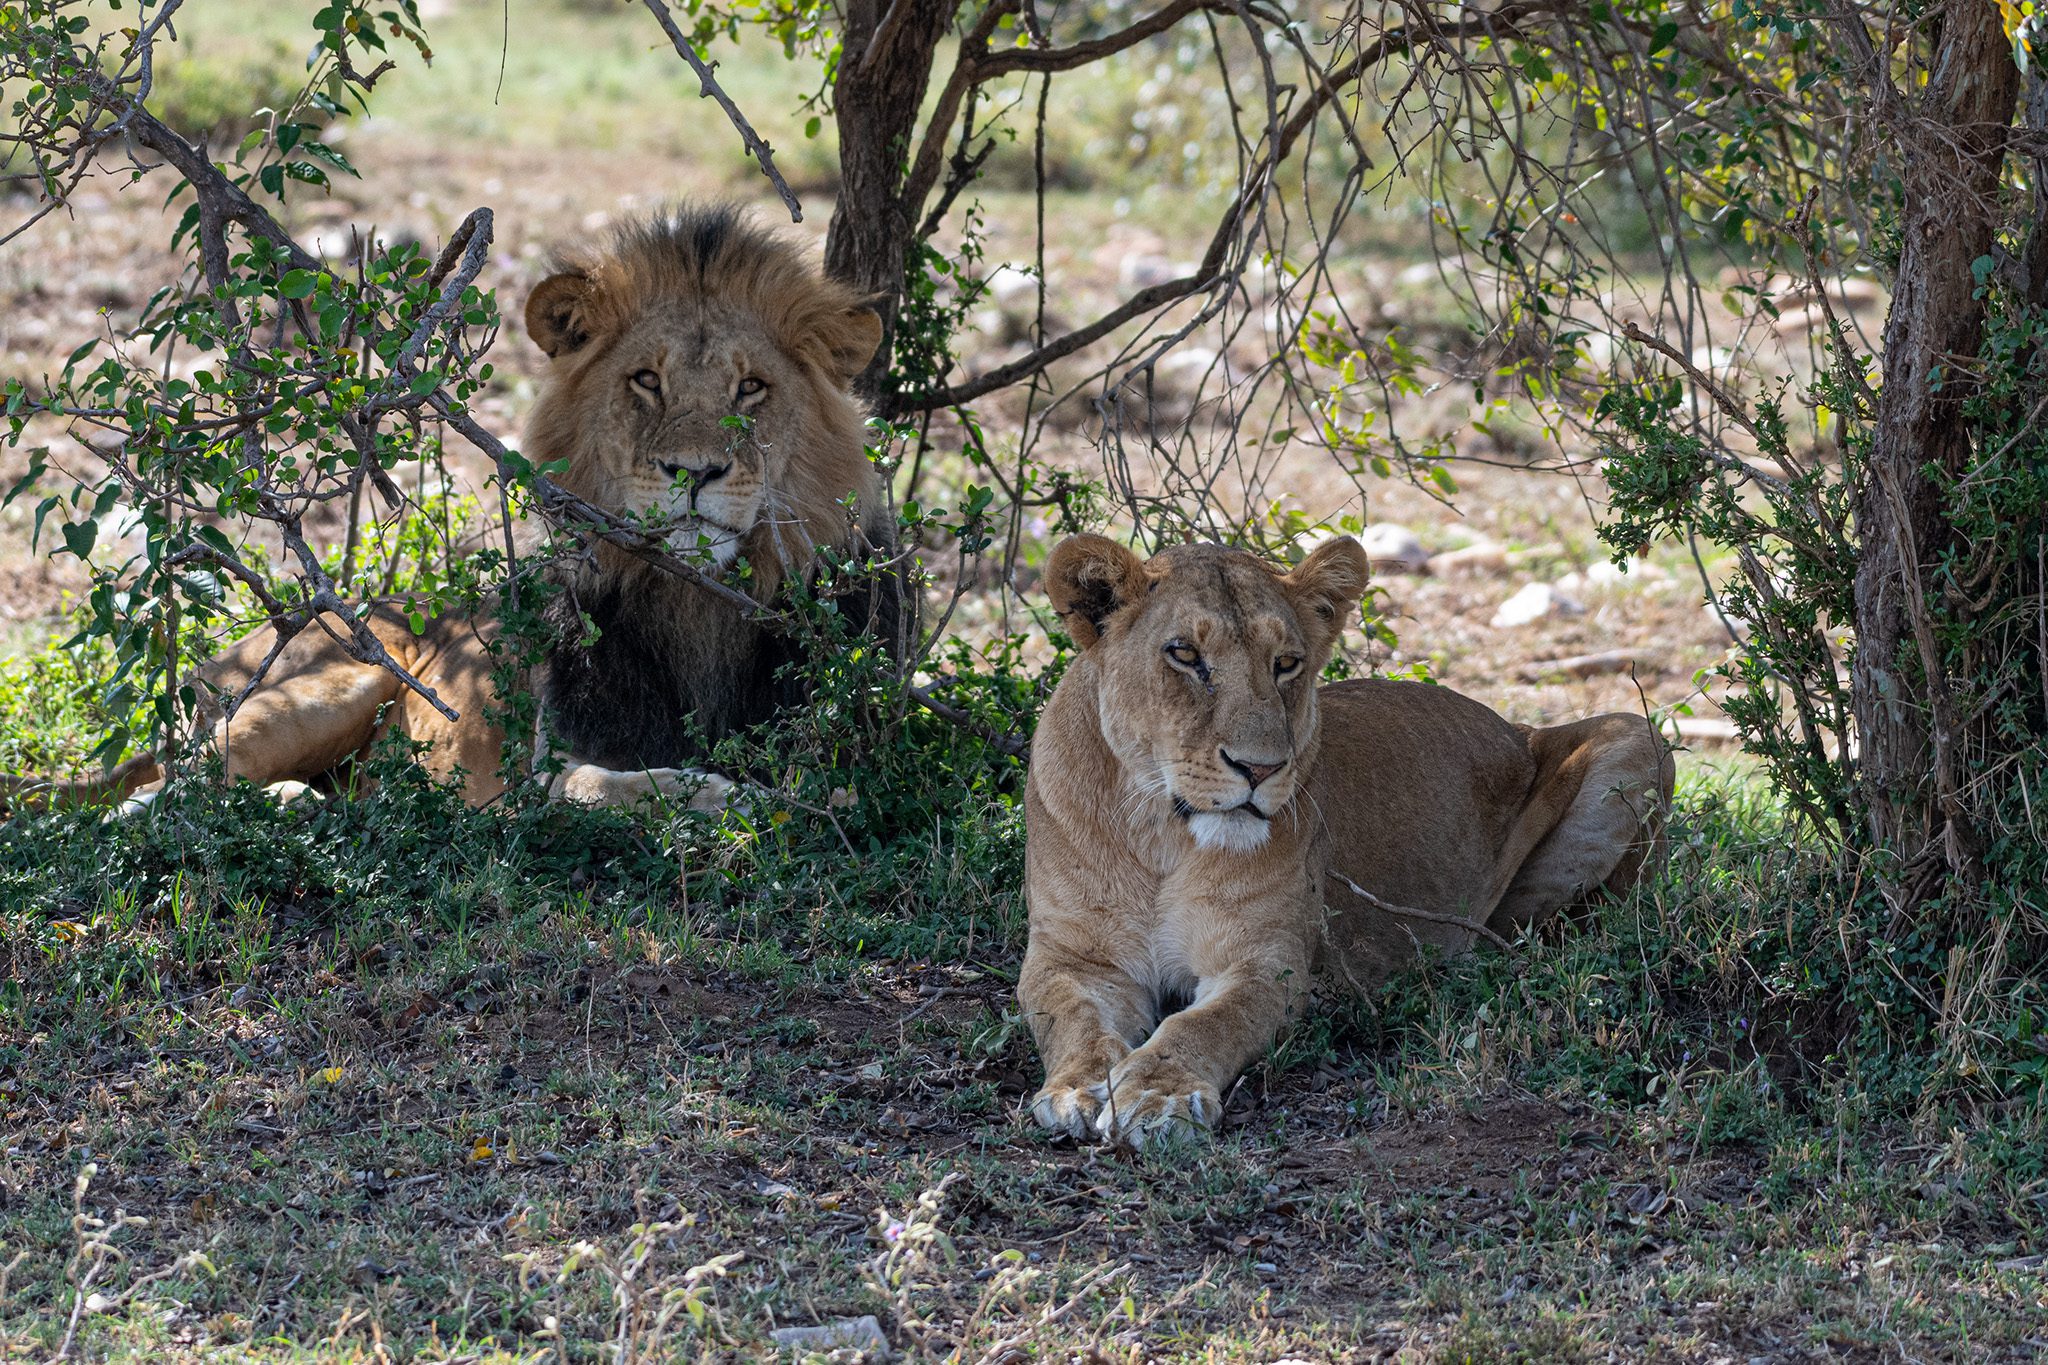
(1151, 1101)
(1070, 1109)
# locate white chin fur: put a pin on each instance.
(692, 535)
(1232, 831)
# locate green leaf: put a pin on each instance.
(36, 467)
(333, 158)
(1663, 36)
(80, 535)
(297, 284)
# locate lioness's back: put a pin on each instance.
(1420, 787)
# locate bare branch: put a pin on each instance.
(756, 145)
(1470, 926)
(1502, 21)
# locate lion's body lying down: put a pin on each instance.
(1209, 829)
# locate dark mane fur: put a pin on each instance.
(641, 696)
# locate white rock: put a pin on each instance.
(1480, 557)
(1393, 548)
(1185, 367)
(856, 1334)
(1637, 573)
(1012, 286)
(1143, 269)
(1533, 603)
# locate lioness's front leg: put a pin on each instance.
(1087, 1016)
(1251, 961)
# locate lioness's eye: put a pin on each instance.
(1286, 665)
(1183, 654)
(648, 380)
(751, 386)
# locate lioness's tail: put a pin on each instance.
(47, 793)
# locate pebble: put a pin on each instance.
(1393, 548)
(1533, 603)
(1637, 573)
(857, 1334)
(1482, 557)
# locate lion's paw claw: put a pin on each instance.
(1149, 1104)
(1070, 1109)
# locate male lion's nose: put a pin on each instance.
(1254, 773)
(698, 477)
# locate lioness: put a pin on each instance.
(1207, 828)
(657, 339)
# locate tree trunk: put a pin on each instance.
(885, 67)
(1910, 757)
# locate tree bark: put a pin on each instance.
(1953, 140)
(885, 67)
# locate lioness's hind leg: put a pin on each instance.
(1609, 778)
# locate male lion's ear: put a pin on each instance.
(852, 337)
(1330, 581)
(1088, 577)
(558, 313)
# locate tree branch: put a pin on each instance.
(1394, 43)
(756, 145)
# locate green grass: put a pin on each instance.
(395, 1074)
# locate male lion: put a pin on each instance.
(657, 339)
(1207, 828)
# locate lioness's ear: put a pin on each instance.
(1328, 584)
(1088, 578)
(851, 339)
(558, 313)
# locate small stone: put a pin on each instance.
(1393, 548)
(1636, 573)
(1147, 269)
(1482, 557)
(1533, 603)
(857, 1334)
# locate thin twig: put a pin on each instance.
(1431, 916)
(756, 145)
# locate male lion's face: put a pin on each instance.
(702, 413)
(1208, 661)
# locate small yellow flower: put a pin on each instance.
(779, 818)
(482, 1151)
(331, 1076)
(72, 929)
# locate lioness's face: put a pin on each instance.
(1208, 662)
(702, 412)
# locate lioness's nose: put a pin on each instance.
(1254, 773)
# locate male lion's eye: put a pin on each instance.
(1186, 655)
(751, 386)
(1286, 666)
(648, 380)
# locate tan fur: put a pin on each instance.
(1158, 874)
(699, 302)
